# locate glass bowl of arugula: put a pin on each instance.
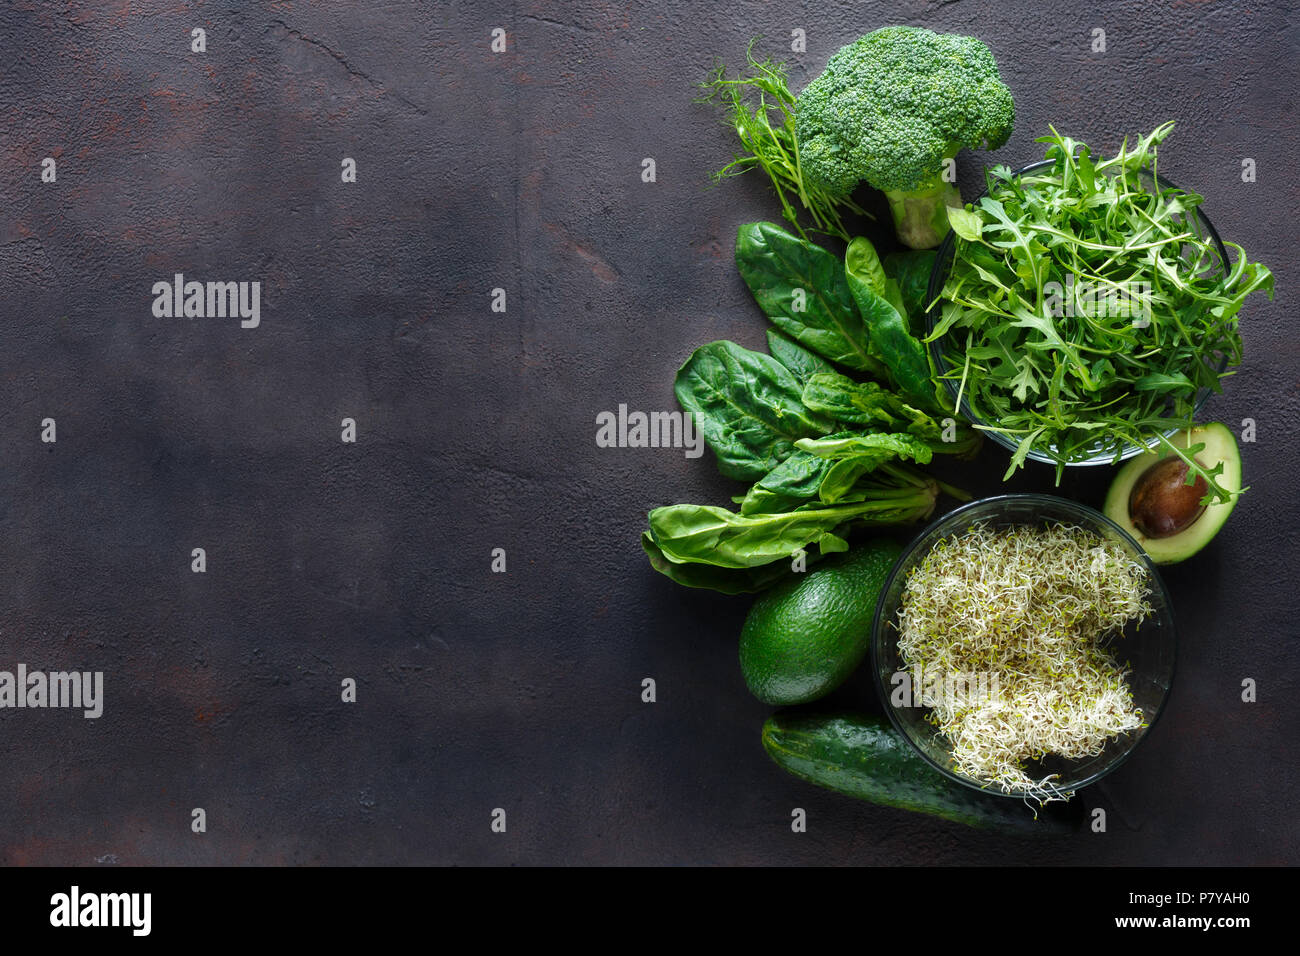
(1082, 310)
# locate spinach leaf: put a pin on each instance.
(747, 406)
(801, 363)
(829, 469)
(786, 486)
(801, 289)
(723, 580)
(859, 477)
(905, 357)
(862, 260)
(878, 448)
(911, 270)
(867, 404)
(853, 403)
(850, 457)
(894, 297)
(863, 466)
(705, 534)
(842, 477)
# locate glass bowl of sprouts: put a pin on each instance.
(1024, 645)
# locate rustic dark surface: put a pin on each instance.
(476, 430)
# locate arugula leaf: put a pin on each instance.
(965, 223)
(1087, 307)
(1164, 381)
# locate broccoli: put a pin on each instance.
(891, 109)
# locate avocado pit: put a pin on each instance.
(1162, 504)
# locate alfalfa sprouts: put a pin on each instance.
(1031, 610)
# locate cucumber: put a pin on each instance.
(865, 757)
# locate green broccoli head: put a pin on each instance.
(892, 106)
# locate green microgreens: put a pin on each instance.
(1038, 349)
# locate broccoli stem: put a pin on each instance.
(920, 217)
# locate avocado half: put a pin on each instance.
(1144, 478)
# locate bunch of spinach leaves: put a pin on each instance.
(823, 451)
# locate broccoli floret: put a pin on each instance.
(890, 108)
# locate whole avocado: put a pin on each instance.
(804, 636)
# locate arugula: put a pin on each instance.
(1087, 308)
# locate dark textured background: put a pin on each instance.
(326, 560)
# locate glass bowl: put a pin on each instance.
(1145, 650)
(1101, 453)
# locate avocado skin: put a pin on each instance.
(865, 757)
(1220, 446)
(804, 636)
